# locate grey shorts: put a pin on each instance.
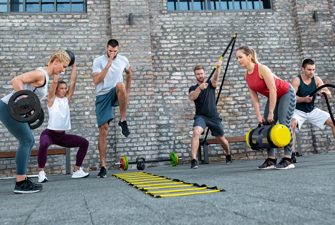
(104, 107)
(214, 124)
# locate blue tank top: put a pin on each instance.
(303, 91)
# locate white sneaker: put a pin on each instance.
(42, 177)
(80, 173)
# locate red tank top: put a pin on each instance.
(257, 84)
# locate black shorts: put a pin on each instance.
(214, 124)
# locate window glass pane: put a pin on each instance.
(244, 4)
(63, 1)
(77, 7)
(214, 5)
(230, 5)
(256, 5)
(241, 4)
(32, 7)
(224, 5)
(3, 8)
(3, 1)
(63, 7)
(172, 5)
(265, 4)
(78, 1)
(185, 5)
(15, 6)
(48, 7)
(29, 1)
(47, 1)
(199, 4)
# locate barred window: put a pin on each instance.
(194, 5)
(42, 6)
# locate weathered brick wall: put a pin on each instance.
(163, 48)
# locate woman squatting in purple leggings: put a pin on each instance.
(58, 123)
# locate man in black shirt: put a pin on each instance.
(203, 95)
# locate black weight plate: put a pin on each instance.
(20, 108)
(72, 57)
(33, 125)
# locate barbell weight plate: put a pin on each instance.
(126, 162)
(174, 159)
(72, 57)
(122, 163)
(19, 109)
(33, 125)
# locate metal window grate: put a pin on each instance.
(195, 5)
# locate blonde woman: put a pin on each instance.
(37, 82)
(280, 105)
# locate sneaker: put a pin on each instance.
(124, 126)
(42, 177)
(293, 158)
(27, 187)
(80, 173)
(228, 159)
(102, 173)
(284, 164)
(268, 164)
(194, 164)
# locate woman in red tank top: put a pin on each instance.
(280, 104)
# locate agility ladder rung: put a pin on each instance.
(146, 181)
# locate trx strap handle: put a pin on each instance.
(326, 98)
(233, 40)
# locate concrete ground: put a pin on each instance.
(304, 195)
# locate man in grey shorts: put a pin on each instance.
(303, 85)
(203, 95)
(110, 91)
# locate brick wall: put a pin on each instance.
(163, 48)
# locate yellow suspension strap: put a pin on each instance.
(232, 42)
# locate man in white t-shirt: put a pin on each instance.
(111, 91)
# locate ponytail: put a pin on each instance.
(249, 51)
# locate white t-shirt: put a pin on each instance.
(41, 92)
(114, 74)
(59, 115)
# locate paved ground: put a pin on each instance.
(304, 195)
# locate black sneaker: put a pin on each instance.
(285, 164)
(228, 159)
(102, 173)
(124, 126)
(27, 187)
(194, 164)
(268, 164)
(293, 158)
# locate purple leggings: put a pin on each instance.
(49, 137)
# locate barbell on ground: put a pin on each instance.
(124, 163)
(26, 109)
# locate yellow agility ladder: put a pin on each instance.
(147, 182)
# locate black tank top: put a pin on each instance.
(303, 91)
